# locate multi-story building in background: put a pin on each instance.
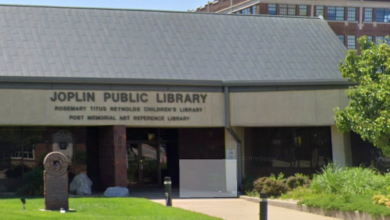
(349, 19)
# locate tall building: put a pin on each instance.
(349, 19)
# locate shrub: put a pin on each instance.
(297, 181)
(32, 183)
(350, 180)
(259, 184)
(274, 187)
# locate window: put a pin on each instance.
(272, 9)
(289, 147)
(246, 11)
(341, 38)
(382, 15)
(336, 13)
(287, 10)
(351, 42)
(369, 38)
(254, 9)
(382, 39)
(351, 14)
(319, 11)
(27, 154)
(303, 10)
(368, 14)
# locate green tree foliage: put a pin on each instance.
(368, 113)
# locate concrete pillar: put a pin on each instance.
(341, 147)
(231, 164)
(112, 156)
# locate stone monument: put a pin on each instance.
(56, 181)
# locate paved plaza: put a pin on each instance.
(239, 209)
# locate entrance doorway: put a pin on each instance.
(152, 154)
(144, 163)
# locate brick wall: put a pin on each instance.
(112, 156)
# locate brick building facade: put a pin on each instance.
(349, 19)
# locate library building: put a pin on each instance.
(127, 94)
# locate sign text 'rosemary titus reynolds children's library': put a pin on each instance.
(136, 108)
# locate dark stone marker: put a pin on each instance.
(56, 181)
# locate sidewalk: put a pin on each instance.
(239, 209)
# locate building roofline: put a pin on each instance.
(150, 10)
(171, 82)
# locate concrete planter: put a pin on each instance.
(291, 204)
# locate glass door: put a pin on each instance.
(149, 164)
(143, 167)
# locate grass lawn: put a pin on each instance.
(96, 208)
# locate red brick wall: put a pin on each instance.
(112, 156)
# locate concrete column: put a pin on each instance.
(231, 164)
(341, 147)
(112, 156)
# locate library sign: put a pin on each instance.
(61, 107)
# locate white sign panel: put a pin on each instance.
(52, 107)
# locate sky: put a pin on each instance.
(169, 5)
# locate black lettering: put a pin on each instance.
(187, 99)
(91, 97)
(54, 98)
(179, 97)
(107, 96)
(124, 97)
(62, 96)
(171, 98)
(203, 97)
(70, 96)
(158, 98)
(144, 97)
(195, 98)
(115, 99)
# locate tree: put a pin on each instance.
(368, 113)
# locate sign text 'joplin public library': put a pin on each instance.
(140, 106)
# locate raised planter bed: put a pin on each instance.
(292, 204)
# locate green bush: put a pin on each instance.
(298, 180)
(350, 181)
(32, 183)
(273, 186)
(258, 185)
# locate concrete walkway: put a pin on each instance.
(239, 209)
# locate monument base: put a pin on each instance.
(56, 206)
(45, 210)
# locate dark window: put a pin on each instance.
(351, 42)
(303, 147)
(336, 13)
(382, 15)
(341, 38)
(272, 9)
(351, 14)
(287, 9)
(303, 10)
(319, 11)
(368, 14)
